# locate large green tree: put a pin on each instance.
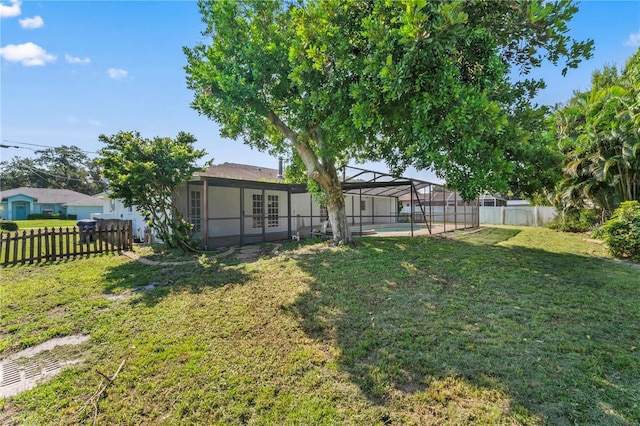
(66, 167)
(146, 173)
(408, 82)
(599, 132)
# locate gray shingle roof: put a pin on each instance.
(53, 196)
(241, 172)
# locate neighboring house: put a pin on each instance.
(434, 196)
(492, 200)
(19, 203)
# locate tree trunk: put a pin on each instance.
(338, 213)
(324, 173)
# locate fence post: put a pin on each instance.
(80, 241)
(15, 248)
(23, 250)
(53, 244)
(100, 236)
(119, 238)
(60, 243)
(66, 241)
(32, 239)
(7, 244)
(131, 233)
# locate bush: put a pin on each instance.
(622, 231)
(39, 216)
(6, 225)
(72, 216)
(577, 221)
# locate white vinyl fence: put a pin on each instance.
(517, 215)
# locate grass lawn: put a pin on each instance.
(502, 326)
(44, 223)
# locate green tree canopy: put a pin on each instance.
(599, 132)
(66, 167)
(407, 82)
(146, 173)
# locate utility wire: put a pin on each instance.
(38, 145)
(36, 171)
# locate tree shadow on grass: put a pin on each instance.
(553, 335)
(154, 282)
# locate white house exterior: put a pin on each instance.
(229, 211)
(233, 204)
(115, 209)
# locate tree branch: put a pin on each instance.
(93, 400)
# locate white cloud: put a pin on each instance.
(10, 11)
(76, 60)
(117, 74)
(28, 54)
(75, 120)
(633, 40)
(31, 23)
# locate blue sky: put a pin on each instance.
(71, 70)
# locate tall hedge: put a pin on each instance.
(622, 231)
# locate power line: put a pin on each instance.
(39, 145)
(37, 171)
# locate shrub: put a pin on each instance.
(577, 221)
(6, 225)
(39, 216)
(622, 231)
(72, 216)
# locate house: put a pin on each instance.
(19, 203)
(436, 195)
(232, 204)
(492, 200)
(115, 209)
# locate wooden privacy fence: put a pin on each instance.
(41, 245)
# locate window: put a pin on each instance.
(258, 210)
(363, 205)
(273, 211)
(47, 209)
(195, 211)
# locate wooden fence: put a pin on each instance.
(45, 244)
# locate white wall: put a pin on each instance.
(519, 216)
(223, 203)
(115, 209)
(84, 212)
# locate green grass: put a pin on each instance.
(503, 326)
(42, 223)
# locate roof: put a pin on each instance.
(241, 172)
(367, 182)
(355, 181)
(53, 196)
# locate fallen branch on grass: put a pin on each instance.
(93, 400)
